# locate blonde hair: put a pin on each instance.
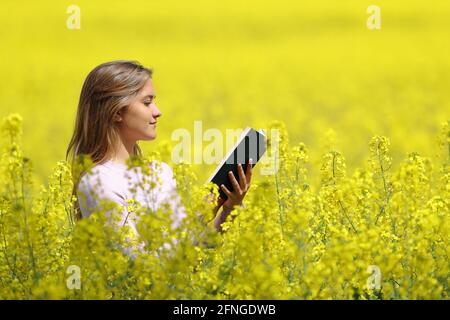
(107, 91)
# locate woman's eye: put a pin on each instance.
(147, 103)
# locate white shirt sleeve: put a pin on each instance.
(176, 205)
(92, 189)
(98, 186)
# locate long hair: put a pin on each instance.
(107, 90)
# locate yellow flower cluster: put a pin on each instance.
(374, 234)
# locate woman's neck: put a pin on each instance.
(123, 152)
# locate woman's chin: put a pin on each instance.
(149, 134)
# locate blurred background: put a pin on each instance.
(312, 64)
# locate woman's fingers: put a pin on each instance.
(249, 171)
(234, 182)
(239, 188)
(226, 191)
(242, 178)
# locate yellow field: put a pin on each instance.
(335, 85)
(313, 65)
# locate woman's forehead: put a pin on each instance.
(148, 89)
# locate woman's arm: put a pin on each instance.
(222, 217)
(234, 198)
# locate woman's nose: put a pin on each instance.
(156, 112)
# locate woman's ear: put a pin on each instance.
(118, 117)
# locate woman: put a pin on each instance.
(116, 109)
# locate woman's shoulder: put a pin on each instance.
(113, 178)
(96, 184)
(165, 171)
(162, 166)
(100, 176)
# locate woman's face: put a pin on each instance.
(139, 121)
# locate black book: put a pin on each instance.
(250, 145)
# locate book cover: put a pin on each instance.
(250, 144)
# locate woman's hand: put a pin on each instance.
(234, 198)
(239, 188)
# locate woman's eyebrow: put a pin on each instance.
(150, 96)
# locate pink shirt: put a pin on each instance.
(115, 180)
